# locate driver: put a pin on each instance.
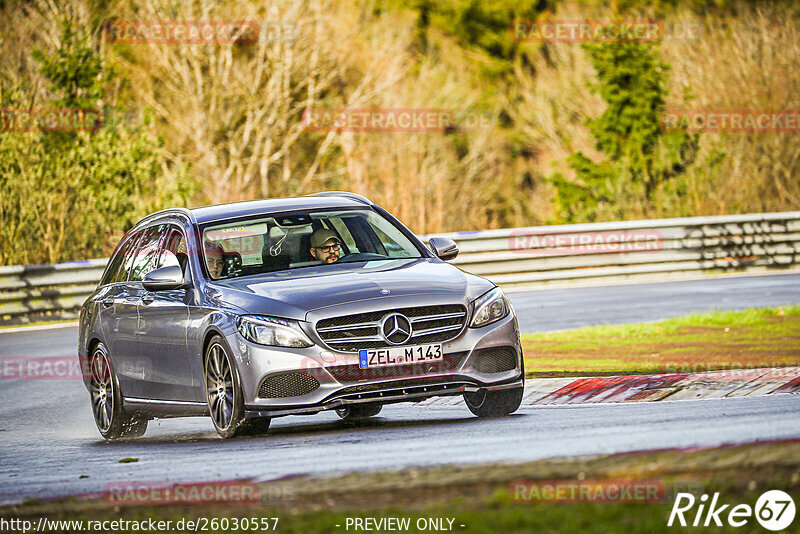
(325, 246)
(214, 259)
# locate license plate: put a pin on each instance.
(399, 356)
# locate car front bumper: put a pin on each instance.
(342, 382)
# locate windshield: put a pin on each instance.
(264, 244)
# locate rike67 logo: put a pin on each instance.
(774, 510)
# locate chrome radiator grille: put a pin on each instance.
(429, 324)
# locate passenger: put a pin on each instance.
(325, 246)
(214, 259)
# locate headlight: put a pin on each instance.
(491, 307)
(272, 331)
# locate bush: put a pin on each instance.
(69, 195)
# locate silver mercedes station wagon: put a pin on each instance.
(255, 310)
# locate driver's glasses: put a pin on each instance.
(329, 248)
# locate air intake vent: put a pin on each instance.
(396, 385)
(287, 385)
(495, 360)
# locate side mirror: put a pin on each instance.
(164, 278)
(444, 247)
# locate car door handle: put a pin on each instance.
(148, 298)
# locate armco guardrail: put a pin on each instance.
(511, 257)
(641, 249)
(46, 291)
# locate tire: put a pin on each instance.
(223, 391)
(485, 403)
(111, 419)
(358, 412)
(255, 427)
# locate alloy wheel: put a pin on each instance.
(220, 387)
(102, 391)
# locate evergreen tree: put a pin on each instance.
(640, 155)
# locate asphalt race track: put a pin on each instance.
(563, 309)
(48, 439)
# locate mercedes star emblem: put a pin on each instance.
(396, 329)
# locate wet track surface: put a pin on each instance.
(562, 309)
(45, 455)
(48, 439)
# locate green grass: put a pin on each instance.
(758, 337)
(496, 515)
(39, 323)
(481, 496)
(500, 515)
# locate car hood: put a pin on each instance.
(294, 293)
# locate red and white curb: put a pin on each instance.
(648, 388)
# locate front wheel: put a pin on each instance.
(111, 419)
(485, 403)
(223, 391)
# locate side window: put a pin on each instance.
(147, 254)
(116, 261)
(173, 248)
(127, 261)
(174, 241)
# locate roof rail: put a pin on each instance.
(182, 211)
(347, 194)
